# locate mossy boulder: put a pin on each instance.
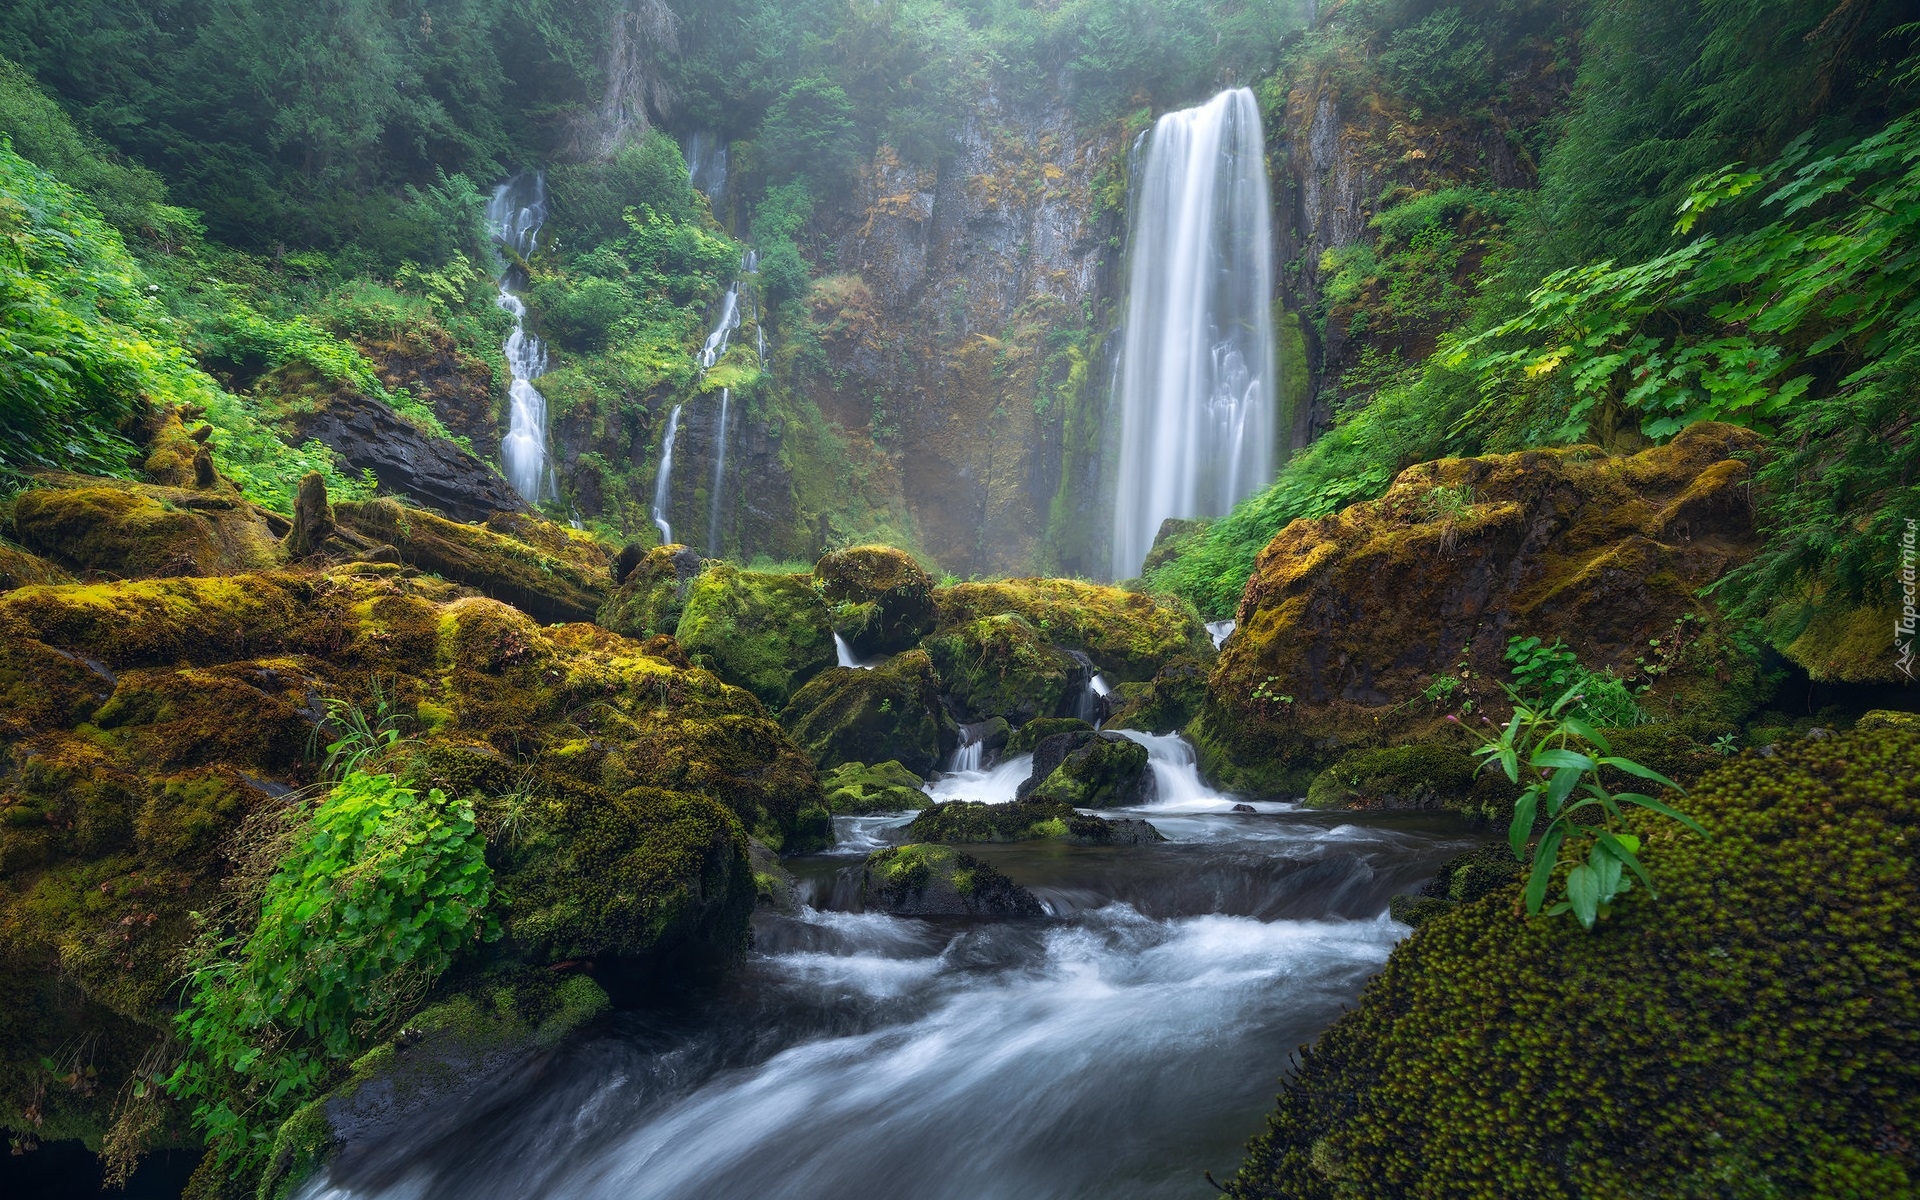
(1128, 635)
(119, 530)
(1025, 739)
(847, 714)
(1001, 666)
(1349, 619)
(1422, 776)
(151, 733)
(882, 599)
(1171, 541)
(652, 590)
(939, 881)
(1090, 770)
(1029, 820)
(1885, 718)
(19, 568)
(1168, 702)
(856, 789)
(546, 573)
(1753, 1030)
(766, 633)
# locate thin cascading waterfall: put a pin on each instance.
(663, 483)
(1195, 385)
(514, 215)
(712, 352)
(719, 476)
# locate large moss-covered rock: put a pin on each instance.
(939, 881)
(1755, 1030)
(652, 592)
(763, 632)
(19, 568)
(1001, 666)
(856, 789)
(122, 530)
(1168, 702)
(1128, 635)
(847, 714)
(1028, 820)
(151, 731)
(1423, 776)
(882, 599)
(1349, 619)
(1027, 738)
(1102, 770)
(547, 572)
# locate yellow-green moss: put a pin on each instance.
(890, 712)
(766, 633)
(1128, 635)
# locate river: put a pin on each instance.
(1117, 1048)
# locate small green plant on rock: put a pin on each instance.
(1586, 825)
(1541, 670)
(382, 888)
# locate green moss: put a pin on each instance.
(1002, 666)
(652, 596)
(766, 633)
(1025, 738)
(855, 789)
(1755, 1030)
(891, 712)
(126, 530)
(882, 599)
(1128, 635)
(921, 880)
(1107, 771)
(1422, 776)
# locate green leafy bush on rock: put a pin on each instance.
(1755, 1030)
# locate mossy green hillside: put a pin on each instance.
(1751, 1031)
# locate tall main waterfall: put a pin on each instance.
(1195, 385)
(515, 214)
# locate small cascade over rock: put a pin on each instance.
(514, 215)
(844, 656)
(711, 353)
(663, 483)
(1195, 385)
(706, 155)
(1220, 631)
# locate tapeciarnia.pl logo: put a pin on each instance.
(1903, 625)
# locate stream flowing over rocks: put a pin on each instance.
(1101, 1050)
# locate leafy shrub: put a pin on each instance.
(809, 133)
(380, 891)
(583, 315)
(590, 197)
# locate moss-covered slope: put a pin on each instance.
(1754, 1031)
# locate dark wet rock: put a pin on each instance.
(432, 472)
(939, 881)
(1028, 737)
(1027, 820)
(1103, 770)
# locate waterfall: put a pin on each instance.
(514, 215)
(664, 480)
(719, 477)
(706, 155)
(1195, 385)
(1220, 631)
(729, 321)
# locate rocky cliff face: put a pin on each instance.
(961, 332)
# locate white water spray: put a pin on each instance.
(514, 215)
(1196, 380)
(719, 476)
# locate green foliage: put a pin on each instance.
(589, 197)
(1600, 697)
(1552, 745)
(379, 891)
(1806, 327)
(1441, 62)
(809, 133)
